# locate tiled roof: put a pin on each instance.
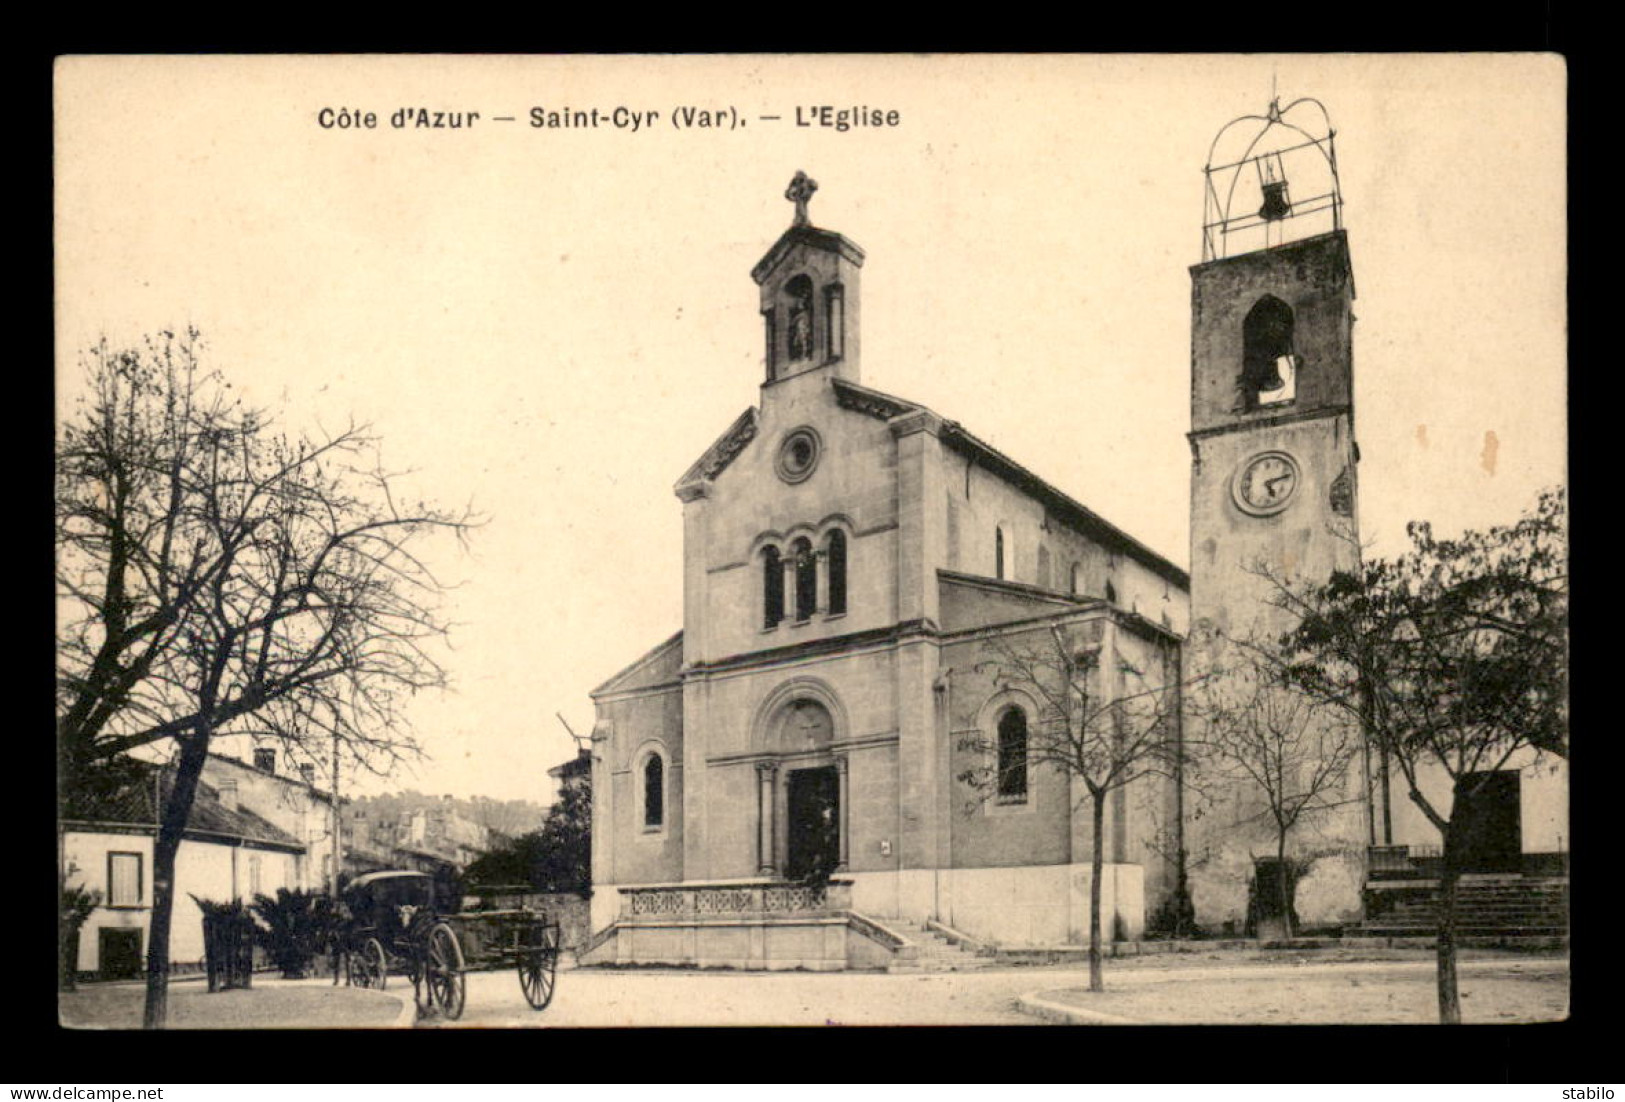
(135, 806)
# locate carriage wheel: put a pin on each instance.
(369, 967)
(444, 972)
(538, 965)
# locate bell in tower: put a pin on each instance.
(1274, 483)
(1272, 180)
(1248, 204)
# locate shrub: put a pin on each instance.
(73, 909)
(294, 927)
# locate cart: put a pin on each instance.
(397, 926)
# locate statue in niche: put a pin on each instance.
(801, 343)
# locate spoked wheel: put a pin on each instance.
(444, 972)
(538, 963)
(369, 967)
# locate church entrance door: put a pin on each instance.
(814, 837)
(1487, 814)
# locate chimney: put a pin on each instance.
(227, 794)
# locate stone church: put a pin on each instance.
(791, 779)
(848, 555)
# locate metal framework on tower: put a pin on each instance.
(1271, 179)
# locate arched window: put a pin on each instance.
(1075, 583)
(998, 552)
(772, 587)
(806, 578)
(1012, 763)
(654, 792)
(1043, 567)
(835, 550)
(800, 334)
(1268, 365)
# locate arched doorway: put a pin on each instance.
(803, 806)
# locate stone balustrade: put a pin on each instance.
(745, 898)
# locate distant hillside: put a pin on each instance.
(510, 817)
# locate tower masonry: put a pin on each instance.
(1273, 503)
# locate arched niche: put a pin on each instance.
(800, 716)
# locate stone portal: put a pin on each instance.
(814, 813)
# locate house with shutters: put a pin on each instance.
(227, 852)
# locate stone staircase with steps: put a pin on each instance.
(935, 952)
(1496, 907)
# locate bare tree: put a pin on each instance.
(1106, 726)
(218, 576)
(1455, 656)
(1294, 752)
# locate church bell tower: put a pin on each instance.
(1272, 373)
(809, 294)
(1273, 486)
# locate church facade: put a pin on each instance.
(841, 708)
(852, 561)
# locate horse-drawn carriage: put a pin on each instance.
(402, 923)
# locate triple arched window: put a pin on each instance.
(806, 572)
(772, 587)
(803, 579)
(835, 551)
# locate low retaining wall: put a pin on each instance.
(764, 943)
(755, 925)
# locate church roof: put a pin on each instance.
(722, 450)
(885, 406)
(657, 666)
(1002, 602)
(812, 236)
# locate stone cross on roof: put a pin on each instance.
(799, 192)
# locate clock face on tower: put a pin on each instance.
(1265, 483)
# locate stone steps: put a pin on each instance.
(1463, 930)
(934, 953)
(1486, 906)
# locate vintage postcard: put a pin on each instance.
(777, 540)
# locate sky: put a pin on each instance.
(552, 324)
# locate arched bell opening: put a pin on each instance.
(1269, 368)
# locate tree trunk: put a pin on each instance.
(1283, 884)
(66, 965)
(1096, 866)
(176, 811)
(1445, 941)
